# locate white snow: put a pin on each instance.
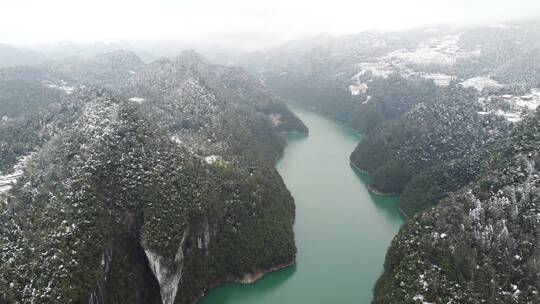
(431, 31)
(358, 88)
(368, 98)
(62, 86)
(7, 181)
(504, 26)
(275, 118)
(441, 80)
(212, 159)
(379, 69)
(137, 99)
(480, 82)
(421, 299)
(516, 105)
(443, 51)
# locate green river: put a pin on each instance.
(342, 230)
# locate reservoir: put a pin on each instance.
(342, 230)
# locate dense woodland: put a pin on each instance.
(441, 127)
(127, 167)
(180, 178)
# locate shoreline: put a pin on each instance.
(370, 188)
(375, 191)
(379, 193)
(293, 133)
(405, 215)
(246, 279)
(253, 277)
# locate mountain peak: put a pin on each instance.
(122, 56)
(192, 59)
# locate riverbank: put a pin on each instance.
(250, 278)
(285, 133)
(371, 188)
(342, 231)
(247, 278)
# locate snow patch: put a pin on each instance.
(9, 180)
(137, 99)
(212, 159)
(441, 80)
(275, 118)
(443, 51)
(62, 86)
(480, 82)
(358, 88)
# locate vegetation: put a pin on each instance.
(433, 149)
(483, 248)
(188, 172)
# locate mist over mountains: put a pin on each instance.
(147, 175)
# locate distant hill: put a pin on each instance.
(12, 56)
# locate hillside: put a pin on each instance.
(164, 185)
(11, 56)
(478, 245)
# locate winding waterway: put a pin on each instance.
(342, 230)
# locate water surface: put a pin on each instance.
(342, 230)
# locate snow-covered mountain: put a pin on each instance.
(161, 183)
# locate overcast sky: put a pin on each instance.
(240, 23)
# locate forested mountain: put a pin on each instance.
(106, 70)
(449, 120)
(435, 148)
(428, 101)
(480, 245)
(123, 181)
(124, 73)
(12, 56)
(69, 49)
(346, 76)
(152, 190)
(24, 88)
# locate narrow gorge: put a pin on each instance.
(342, 230)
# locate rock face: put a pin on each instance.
(168, 272)
(99, 295)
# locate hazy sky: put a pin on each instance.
(241, 23)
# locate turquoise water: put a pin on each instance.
(342, 230)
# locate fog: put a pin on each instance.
(243, 24)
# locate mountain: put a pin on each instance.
(479, 245)
(524, 69)
(449, 118)
(343, 76)
(236, 84)
(67, 49)
(125, 73)
(24, 88)
(431, 150)
(151, 191)
(12, 56)
(105, 70)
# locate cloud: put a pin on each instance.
(244, 23)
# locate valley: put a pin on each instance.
(342, 230)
